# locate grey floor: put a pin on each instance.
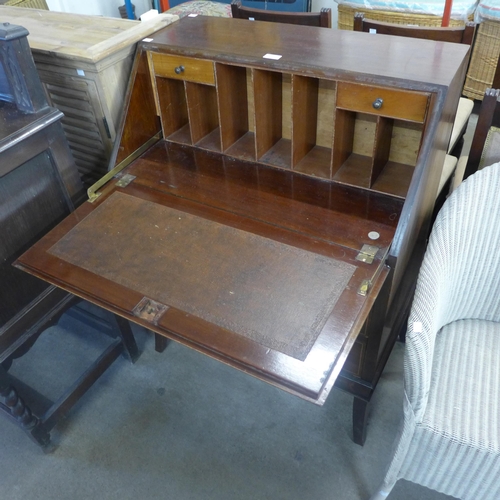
(181, 426)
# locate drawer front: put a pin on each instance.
(401, 104)
(183, 68)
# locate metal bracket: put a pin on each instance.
(92, 190)
(367, 253)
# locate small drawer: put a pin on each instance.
(183, 68)
(392, 103)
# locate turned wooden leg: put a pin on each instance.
(15, 408)
(359, 419)
(161, 342)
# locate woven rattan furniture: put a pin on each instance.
(29, 4)
(450, 440)
(346, 17)
(484, 70)
(484, 60)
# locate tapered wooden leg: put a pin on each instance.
(359, 419)
(127, 337)
(161, 342)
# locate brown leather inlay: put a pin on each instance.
(275, 294)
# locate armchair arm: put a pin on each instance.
(459, 277)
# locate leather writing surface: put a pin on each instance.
(275, 294)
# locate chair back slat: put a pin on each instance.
(322, 19)
(461, 34)
(489, 116)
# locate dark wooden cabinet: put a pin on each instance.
(271, 191)
(39, 187)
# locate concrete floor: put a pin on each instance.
(181, 426)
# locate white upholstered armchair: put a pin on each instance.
(450, 437)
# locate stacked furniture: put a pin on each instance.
(84, 63)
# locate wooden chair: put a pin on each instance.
(322, 19)
(463, 34)
(485, 148)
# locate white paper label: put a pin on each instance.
(147, 39)
(192, 15)
(272, 56)
(80, 72)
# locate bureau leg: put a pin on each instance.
(161, 342)
(359, 420)
(128, 338)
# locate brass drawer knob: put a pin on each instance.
(179, 69)
(377, 103)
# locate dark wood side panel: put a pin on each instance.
(421, 197)
(141, 121)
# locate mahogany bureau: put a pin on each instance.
(270, 197)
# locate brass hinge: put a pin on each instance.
(125, 180)
(367, 253)
(365, 286)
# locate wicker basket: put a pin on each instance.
(346, 17)
(484, 59)
(30, 4)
